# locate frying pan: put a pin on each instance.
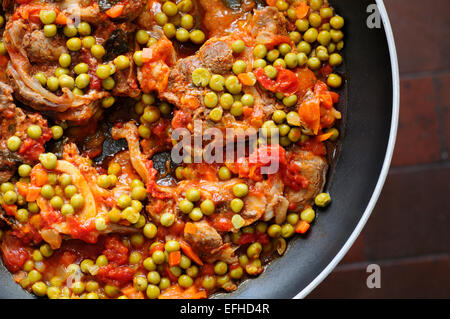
(370, 106)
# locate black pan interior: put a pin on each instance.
(368, 99)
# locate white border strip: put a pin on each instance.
(387, 159)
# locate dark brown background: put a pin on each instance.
(408, 234)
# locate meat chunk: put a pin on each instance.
(24, 56)
(268, 24)
(217, 56)
(41, 49)
(314, 169)
(14, 121)
(208, 242)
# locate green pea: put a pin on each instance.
(84, 28)
(197, 37)
(196, 214)
(237, 273)
(248, 100)
(274, 231)
(182, 35)
(13, 143)
(236, 205)
(240, 190)
(239, 67)
(259, 63)
(238, 46)
(139, 193)
(22, 215)
(260, 51)
(70, 31)
(154, 277)
(233, 85)
(77, 201)
(152, 291)
(193, 195)
(103, 71)
(322, 200)
(34, 131)
(270, 72)
(170, 8)
(281, 5)
(142, 37)
(291, 60)
(39, 288)
(334, 80)
(336, 35)
(314, 63)
(82, 81)
(33, 208)
(48, 160)
(98, 51)
(304, 47)
(208, 282)
(326, 13)
(151, 114)
(88, 42)
(50, 30)
(167, 219)
(335, 59)
(279, 63)
(224, 173)
(56, 202)
(337, 22)
(220, 268)
(210, 99)
(201, 77)
(216, 114)
(108, 83)
(24, 170)
(207, 207)
(67, 209)
(295, 37)
(308, 215)
(279, 116)
(57, 132)
(185, 5)
(284, 48)
(310, 35)
(254, 250)
(226, 101)
(237, 109)
(324, 37)
(74, 44)
(217, 82)
(287, 230)
(315, 20)
(290, 101)
(41, 78)
(158, 257)
(7, 187)
(185, 281)
(302, 25)
(47, 191)
(302, 58)
(122, 62)
(295, 134)
(187, 21)
(10, 197)
(272, 55)
(150, 230)
(65, 180)
(169, 30)
(66, 81)
(47, 16)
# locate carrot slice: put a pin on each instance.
(246, 79)
(302, 227)
(174, 258)
(324, 137)
(33, 193)
(302, 10)
(188, 251)
(62, 19)
(115, 11)
(22, 188)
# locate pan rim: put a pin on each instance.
(387, 160)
